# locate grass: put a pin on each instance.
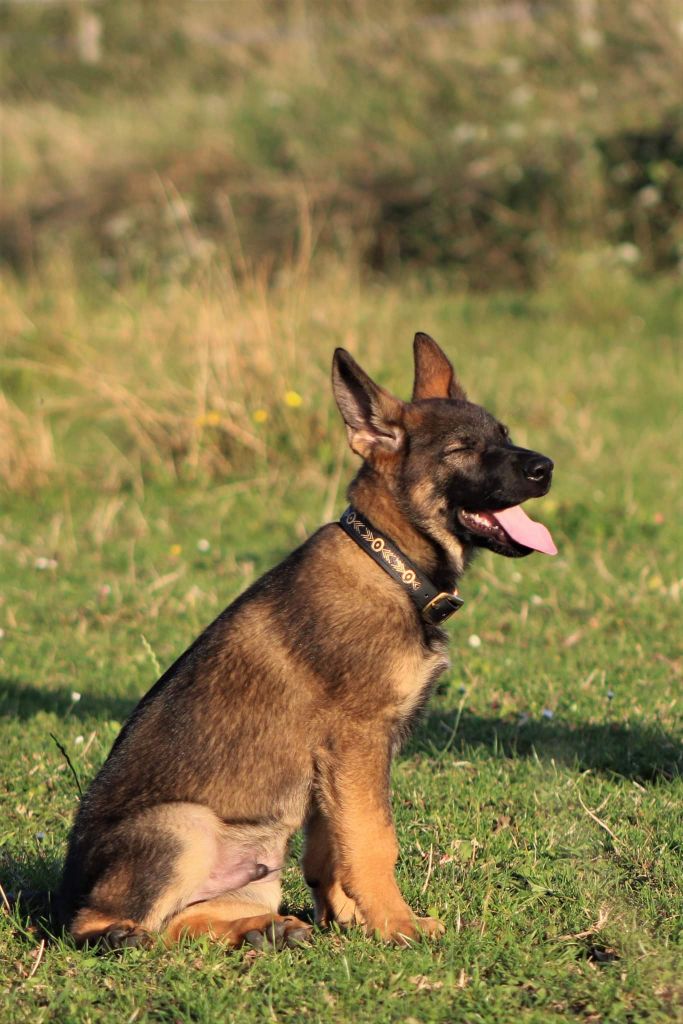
(538, 803)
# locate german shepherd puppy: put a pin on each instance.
(286, 711)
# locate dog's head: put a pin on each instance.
(451, 467)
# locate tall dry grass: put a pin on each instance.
(207, 377)
(220, 378)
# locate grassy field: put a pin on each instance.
(198, 202)
(163, 447)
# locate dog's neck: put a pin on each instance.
(442, 560)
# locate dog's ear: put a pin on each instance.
(372, 415)
(434, 375)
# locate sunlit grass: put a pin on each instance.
(538, 805)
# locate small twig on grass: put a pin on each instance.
(39, 957)
(5, 901)
(8, 909)
(594, 929)
(62, 750)
(598, 821)
(430, 864)
(150, 651)
(89, 743)
(454, 730)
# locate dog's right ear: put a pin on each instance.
(373, 417)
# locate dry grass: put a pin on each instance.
(214, 379)
(207, 377)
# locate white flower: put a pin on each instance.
(75, 696)
(649, 196)
(591, 38)
(547, 713)
(203, 544)
(464, 132)
(627, 253)
(278, 99)
(474, 640)
(588, 90)
(514, 130)
(513, 173)
(510, 65)
(45, 563)
(522, 95)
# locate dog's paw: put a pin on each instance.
(124, 937)
(403, 933)
(430, 926)
(280, 933)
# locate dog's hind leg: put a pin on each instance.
(91, 926)
(125, 884)
(120, 885)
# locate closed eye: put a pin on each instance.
(466, 445)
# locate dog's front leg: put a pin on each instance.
(353, 778)
(319, 865)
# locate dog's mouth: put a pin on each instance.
(509, 531)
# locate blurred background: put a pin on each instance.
(199, 197)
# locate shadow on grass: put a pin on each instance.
(22, 701)
(633, 750)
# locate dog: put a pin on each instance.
(287, 710)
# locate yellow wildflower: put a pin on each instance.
(212, 418)
(293, 399)
(260, 415)
(175, 550)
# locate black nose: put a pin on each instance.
(539, 469)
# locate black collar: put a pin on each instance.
(434, 606)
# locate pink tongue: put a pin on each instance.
(517, 525)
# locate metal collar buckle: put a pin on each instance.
(442, 607)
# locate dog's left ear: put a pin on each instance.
(434, 375)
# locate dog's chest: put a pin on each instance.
(415, 671)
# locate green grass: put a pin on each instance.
(538, 805)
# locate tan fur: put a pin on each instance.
(227, 918)
(89, 925)
(412, 672)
